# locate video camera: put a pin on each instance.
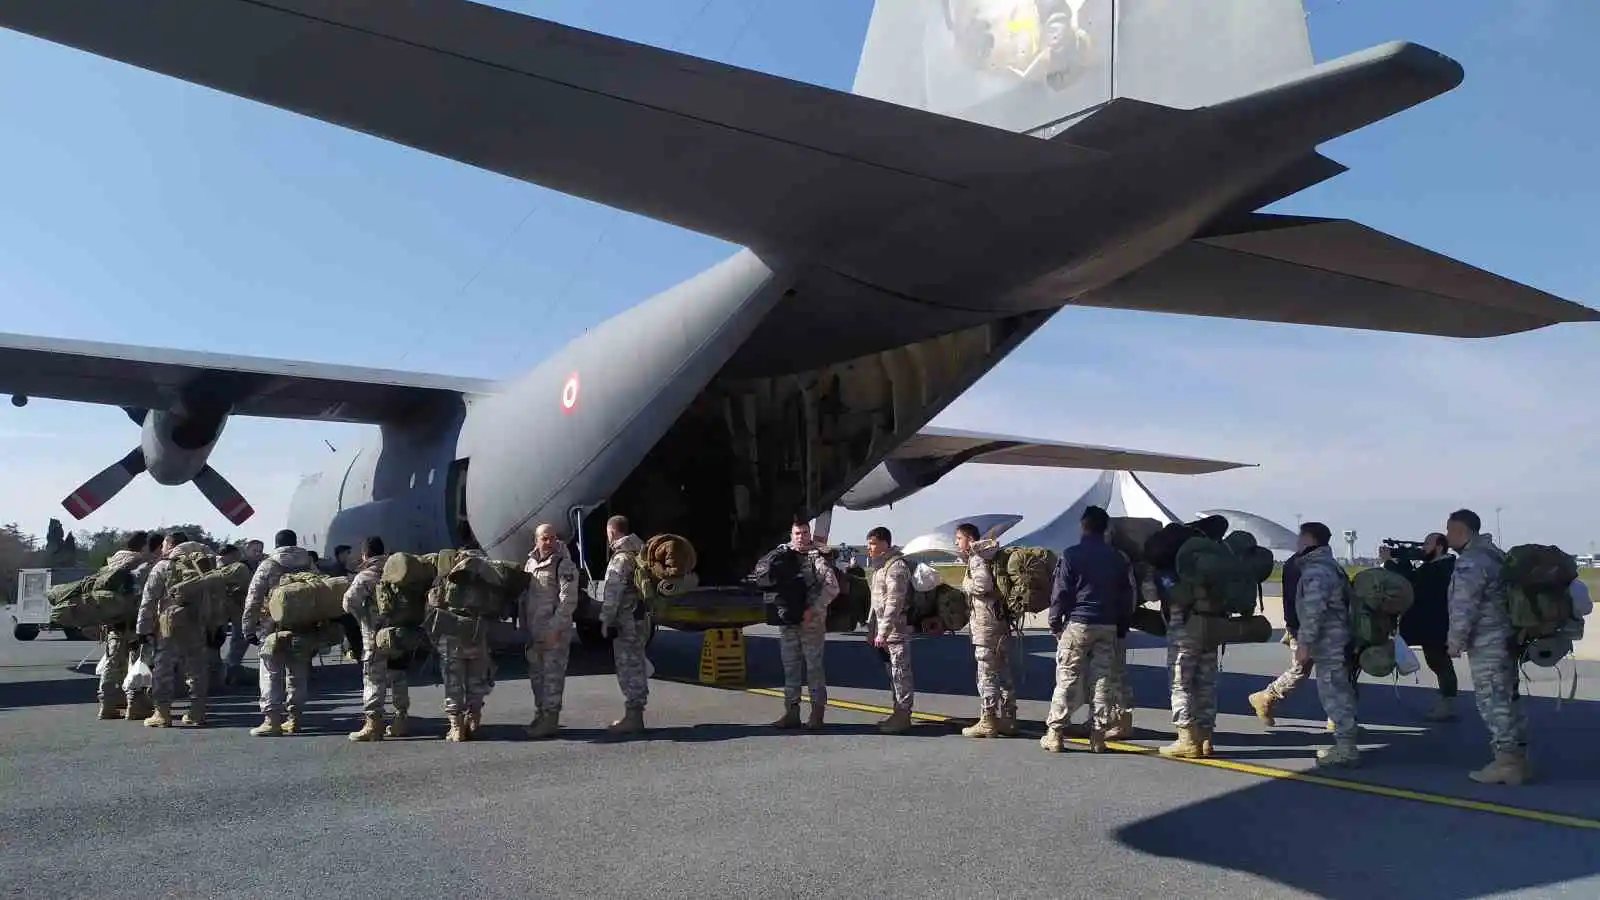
(1404, 551)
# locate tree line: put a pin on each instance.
(59, 549)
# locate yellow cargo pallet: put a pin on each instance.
(722, 656)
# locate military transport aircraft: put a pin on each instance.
(996, 162)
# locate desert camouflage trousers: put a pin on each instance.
(1085, 666)
(997, 690)
(171, 656)
(899, 667)
(628, 653)
(1292, 677)
(284, 678)
(119, 656)
(1495, 689)
(802, 648)
(467, 672)
(378, 681)
(1123, 701)
(1193, 671)
(547, 670)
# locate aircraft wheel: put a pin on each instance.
(25, 632)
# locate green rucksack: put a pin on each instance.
(1538, 589)
(1213, 581)
(1023, 576)
(1377, 599)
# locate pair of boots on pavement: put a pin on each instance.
(154, 715)
(1055, 739)
(548, 724)
(899, 722)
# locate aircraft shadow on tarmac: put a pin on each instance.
(1345, 846)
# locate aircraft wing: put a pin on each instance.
(1307, 270)
(1008, 450)
(149, 378)
(747, 157)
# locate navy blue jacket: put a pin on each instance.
(1093, 585)
(1427, 622)
(1291, 585)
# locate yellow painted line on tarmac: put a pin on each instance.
(1244, 768)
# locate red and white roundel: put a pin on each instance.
(569, 393)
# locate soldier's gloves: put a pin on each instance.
(611, 632)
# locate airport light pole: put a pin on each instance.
(1499, 538)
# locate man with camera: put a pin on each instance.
(1428, 566)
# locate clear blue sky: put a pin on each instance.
(142, 210)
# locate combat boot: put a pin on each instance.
(1262, 702)
(897, 723)
(474, 721)
(1097, 741)
(458, 727)
(291, 723)
(1342, 753)
(985, 727)
(161, 718)
(1444, 710)
(545, 725)
(371, 729)
(1006, 724)
(1509, 767)
(271, 726)
(1054, 740)
(1122, 730)
(139, 707)
(196, 716)
(397, 725)
(818, 712)
(632, 722)
(1189, 745)
(789, 720)
(109, 708)
(1206, 750)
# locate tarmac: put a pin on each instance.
(713, 802)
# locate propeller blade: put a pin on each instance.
(93, 494)
(222, 495)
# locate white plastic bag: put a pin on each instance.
(101, 666)
(1405, 662)
(924, 578)
(139, 677)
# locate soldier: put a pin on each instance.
(1193, 669)
(621, 612)
(284, 673)
(1322, 606)
(1091, 609)
(1263, 701)
(887, 625)
(377, 678)
(803, 646)
(547, 611)
(997, 696)
(238, 641)
(1480, 626)
(122, 644)
(467, 671)
(185, 648)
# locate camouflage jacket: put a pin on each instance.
(154, 600)
(274, 566)
(891, 599)
(983, 595)
(1321, 603)
(1478, 612)
(552, 595)
(620, 595)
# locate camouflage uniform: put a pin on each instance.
(119, 643)
(190, 654)
(887, 620)
(1480, 626)
(1322, 603)
(620, 607)
(997, 694)
(1085, 655)
(1193, 670)
(466, 668)
(802, 647)
(284, 674)
(547, 611)
(377, 679)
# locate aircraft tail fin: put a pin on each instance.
(1024, 65)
